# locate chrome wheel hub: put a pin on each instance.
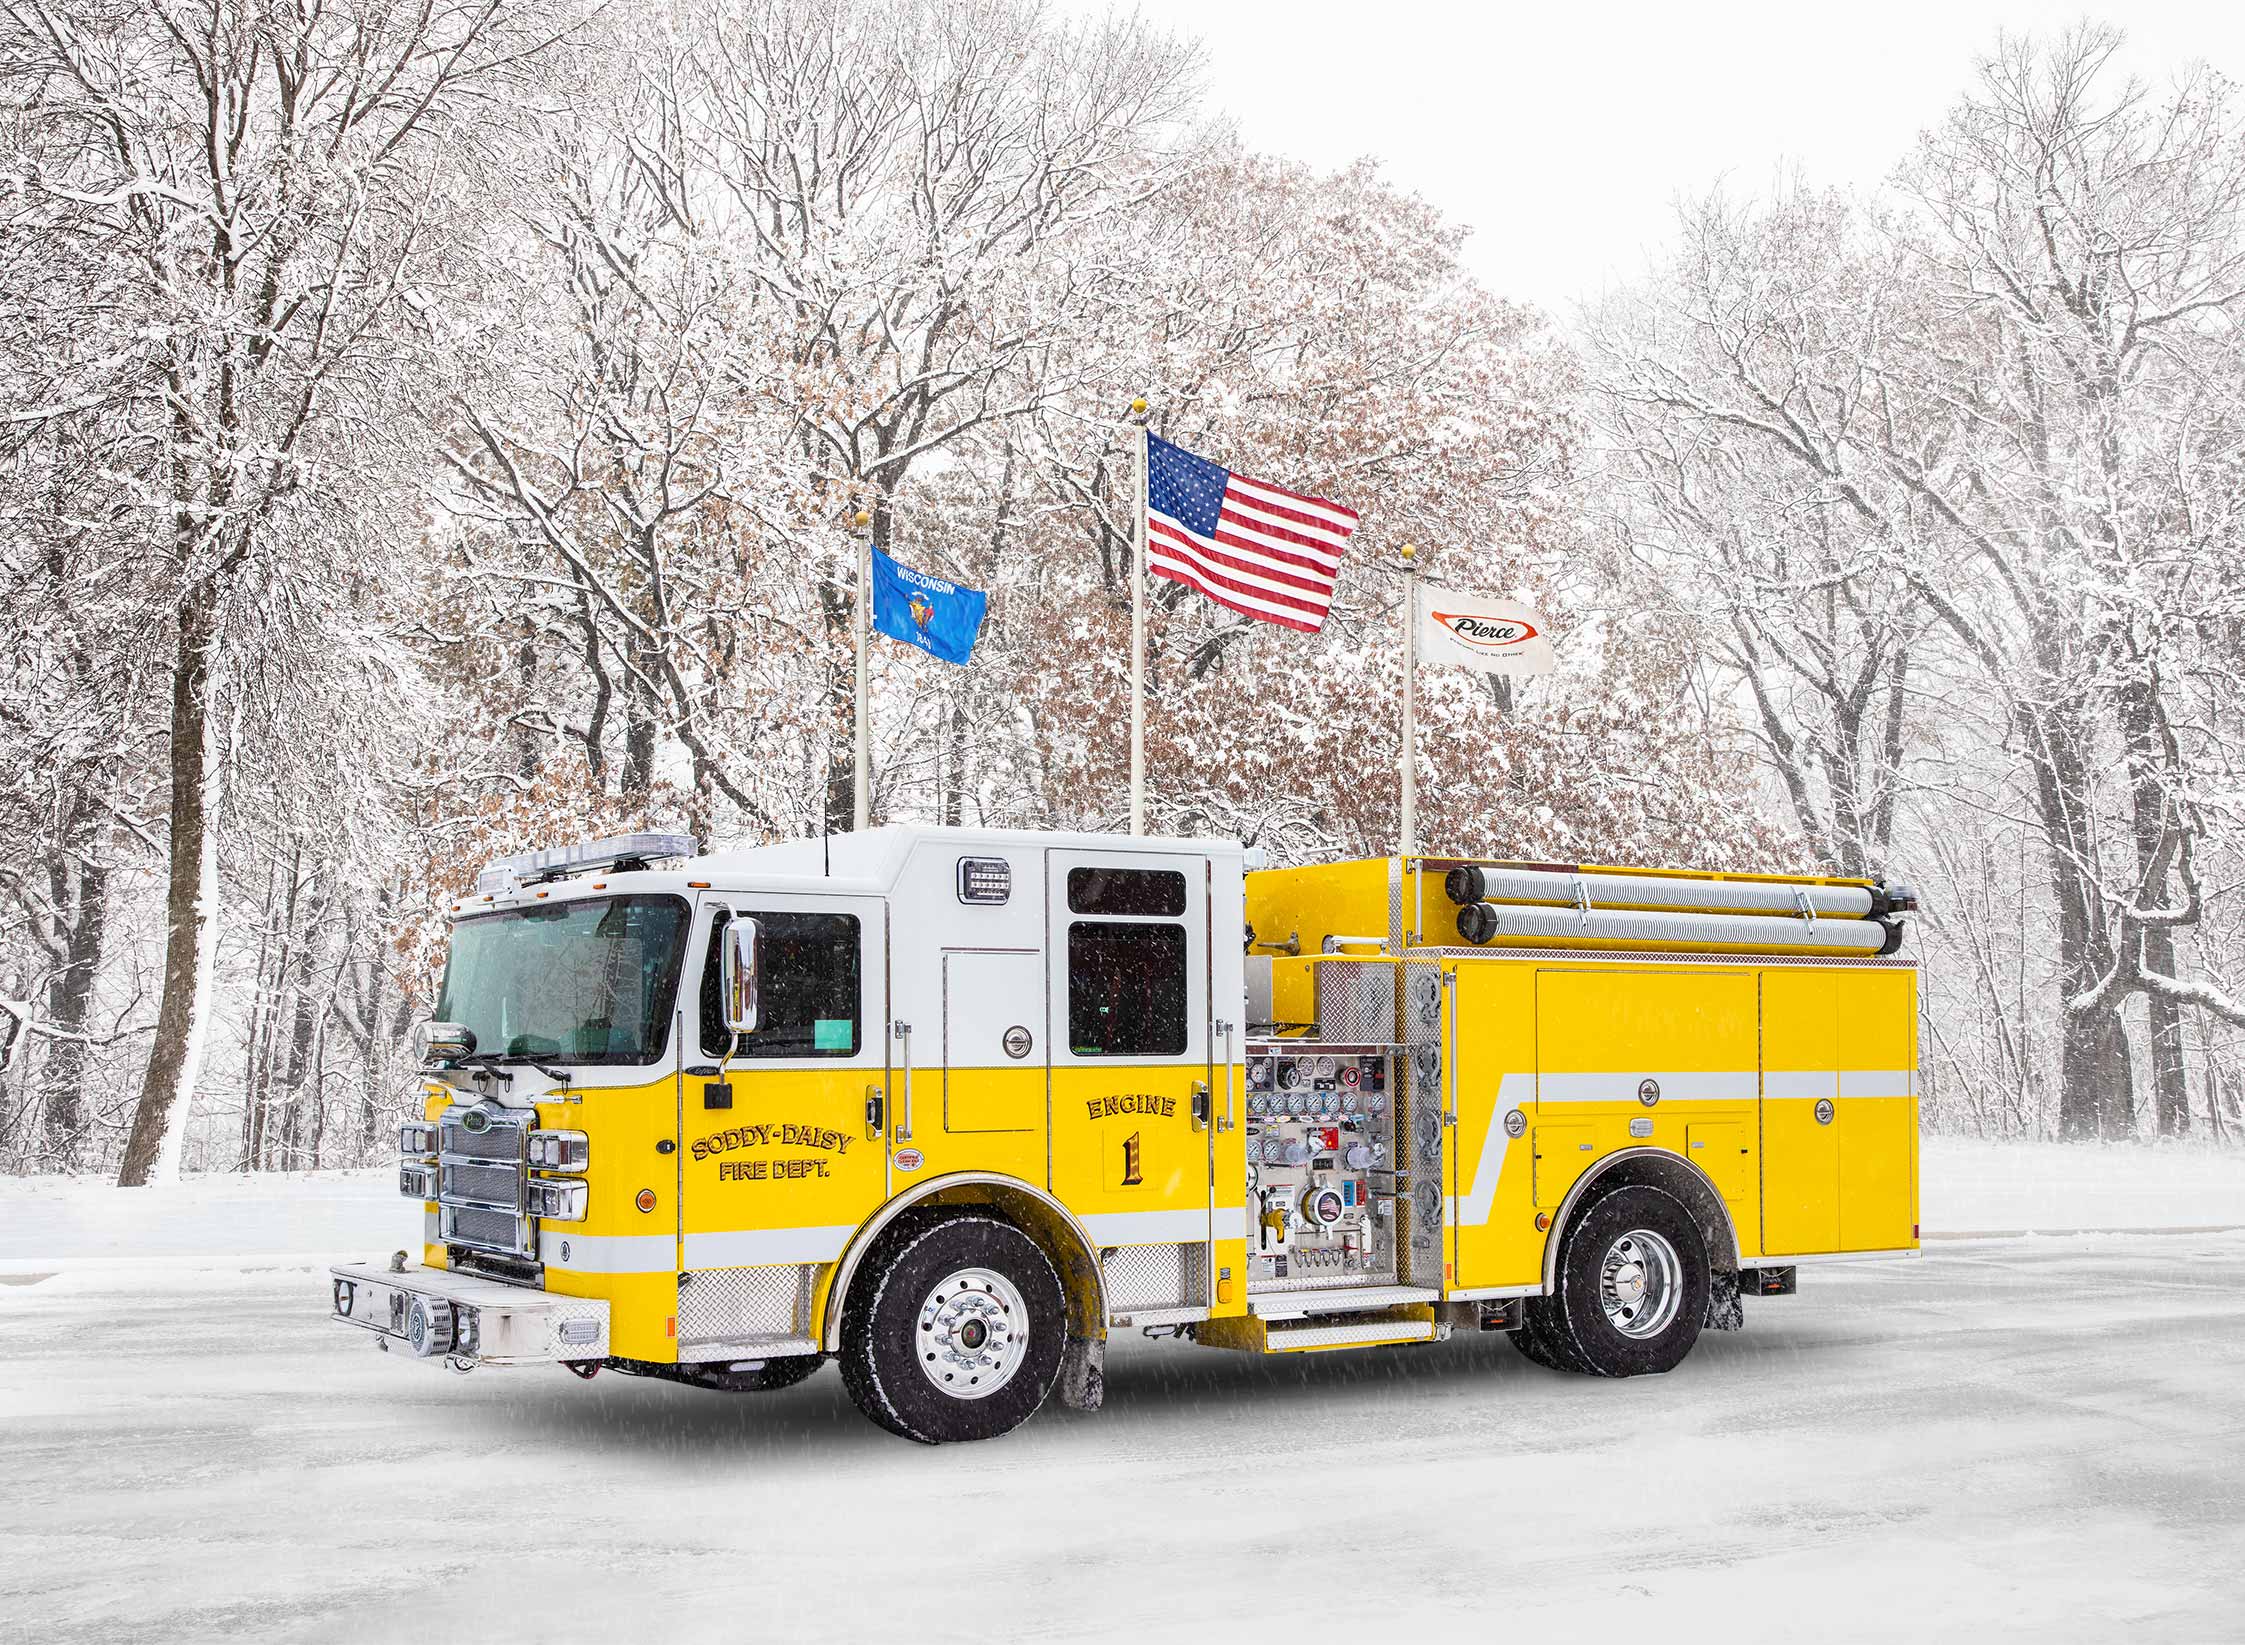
(974, 1333)
(1640, 1283)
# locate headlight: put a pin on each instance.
(557, 1201)
(417, 1141)
(559, 1151)
(417, 1180)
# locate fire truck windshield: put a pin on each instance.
(586, 981)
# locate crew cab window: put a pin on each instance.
(810, 988)
(1126, 989)
(1155, 892)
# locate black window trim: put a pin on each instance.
(664, 1057)
(721, 906)
(1184, 1053)
(1183, 915)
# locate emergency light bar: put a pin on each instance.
(527, 867)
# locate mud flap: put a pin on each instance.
(1724, 1310)
(1083, 1374)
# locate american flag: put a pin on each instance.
(1264, 551)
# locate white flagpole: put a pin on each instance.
(1138, 633)
(1410, 829)
(861, 786)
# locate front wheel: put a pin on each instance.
(959, 1333)
(1633, 1280)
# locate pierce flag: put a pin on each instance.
(1474, 631)
(939, 617)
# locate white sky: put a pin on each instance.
(1562, 134)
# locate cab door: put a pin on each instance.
(1128, 1024)
(780, 1150)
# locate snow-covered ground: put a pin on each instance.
(2039, 1438)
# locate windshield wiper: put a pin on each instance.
(486, 1063)
(527, 1059)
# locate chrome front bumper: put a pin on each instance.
(434, 1314)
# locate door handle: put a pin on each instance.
(903, 1032)
(1200, 1105)
(1230, 1118)
(873, 1115)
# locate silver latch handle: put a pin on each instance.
(903, 1032)
(1231, 1118)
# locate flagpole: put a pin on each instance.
(861, 785)
(1410, 759)
(1138, 632)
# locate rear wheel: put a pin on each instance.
(1633, 1280)
(956, 1332)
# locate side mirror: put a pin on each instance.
(435, 1042)
(743, 967)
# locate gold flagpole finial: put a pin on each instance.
(1408, 552)
(1138, 407)
(861, 519)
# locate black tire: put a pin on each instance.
(1536, 1339)
(751, 1376)
(1575, 1326)
(887, 1337)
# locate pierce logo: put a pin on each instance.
(1485, 633)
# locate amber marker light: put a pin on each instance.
(1543, 1222)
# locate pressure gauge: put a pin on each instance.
(1322, 1207)
(1259, 1073)
(1377, 1102)
(1327, 1067)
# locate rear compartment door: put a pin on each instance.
(1641, 1058)
(1877, 1118)
(1800, 1090)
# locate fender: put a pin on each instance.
(1086, 1252)
(1658, 1168)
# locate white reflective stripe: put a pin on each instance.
(1231, 1222)
(1472, 1209)
(1875, 1082)
(1799, 1084)
(1725, 1085)
(562, 1247)
(1153, 1227)
(763, 1247)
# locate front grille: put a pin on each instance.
(470, 1184)
(502, 1142)
(480, 1174)
(487, 1229)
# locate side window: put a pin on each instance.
(1126, 989)
(810, 988)
(1155, 892)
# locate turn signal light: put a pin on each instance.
(417, 1141)
(556, 1201)
(559, 1151)
(1543, 1222)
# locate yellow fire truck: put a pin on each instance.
(951, 1106)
